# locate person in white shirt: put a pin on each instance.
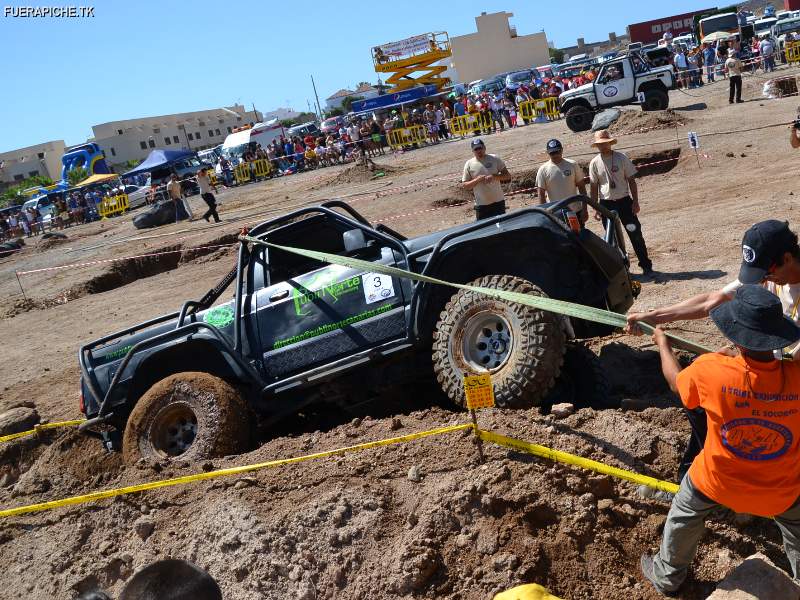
(483, 174)
(204, 181)
(560, 178)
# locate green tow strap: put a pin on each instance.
(569, 309)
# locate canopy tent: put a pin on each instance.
(97, 178)
(159, 158)
(717, 36)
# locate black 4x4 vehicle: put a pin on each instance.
(194, 383)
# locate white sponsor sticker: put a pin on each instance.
(377, 287)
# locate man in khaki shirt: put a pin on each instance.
(483, 174)
(560, 178)
(611, 176)
(175, 192)
(734, 67)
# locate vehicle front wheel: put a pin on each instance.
(579, 118)
(521, 346)
(655, 100)
(188, 416)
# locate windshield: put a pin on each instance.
(786, 26)
(726, 22)
(517, 77)
(764, 26)
(234, 152)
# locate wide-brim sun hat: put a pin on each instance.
(603, 137)
(755, 321)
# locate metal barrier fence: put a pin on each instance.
(406, 136)
(252, 171)
(793, 52)
(475, 122)
(544, 108)
(242, 173)
(261, 168)
(113, 206)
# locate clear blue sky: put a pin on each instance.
(143, 58)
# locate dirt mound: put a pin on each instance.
(51, 241)
(636, 121)
(423, 519)
(361, 173)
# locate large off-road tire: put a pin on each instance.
(579, 118)
(655, 100)
(522, 347)
(583, 381)
(187, 416)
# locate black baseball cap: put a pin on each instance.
(762, 245)
(477, 143)
(554, 146)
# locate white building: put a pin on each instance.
(40, 159)
(133, 139)
(496, 48)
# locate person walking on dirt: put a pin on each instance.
(611, 176)
(771, 258)
(560, 178)
(750, 462)
(175, 191)
(734, 68)
(205, 184)
(483, 174)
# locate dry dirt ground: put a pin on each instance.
(357, 526)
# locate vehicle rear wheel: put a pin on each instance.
(655, 100)
(187, 416)
(579, 118)
(521, 346)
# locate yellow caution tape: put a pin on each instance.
(94, 496)
(578, 461)
(37, 428)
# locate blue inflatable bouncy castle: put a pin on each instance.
(89, 156)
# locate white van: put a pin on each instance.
(236, 143)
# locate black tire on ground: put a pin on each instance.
(655, 100)
(579, 118)
(187, 416)
(521, 346)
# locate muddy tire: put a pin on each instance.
(655, 100)
(187, 416)
(522, 347)
(579, 118)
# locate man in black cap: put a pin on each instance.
(560, 178)
(483, 174)
(750, 461)
(770, 257)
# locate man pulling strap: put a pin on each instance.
(750, 461)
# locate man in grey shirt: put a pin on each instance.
(483, 174)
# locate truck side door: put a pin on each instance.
(309, 317)
(614, 83)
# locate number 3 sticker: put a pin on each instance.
(377, 287)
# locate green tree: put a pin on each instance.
(360, 83)
(13, 195)
(557, 55)
(347, 103)
(334, 112)
(76, 175)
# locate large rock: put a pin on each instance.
(605, 118)
(756, 579)
(18, 419)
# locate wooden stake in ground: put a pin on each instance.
(694, 144)
(479, 392)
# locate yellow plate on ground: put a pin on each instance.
(529, 591)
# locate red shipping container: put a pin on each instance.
(649, 32)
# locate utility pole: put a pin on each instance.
(255, 114)
(314, 85)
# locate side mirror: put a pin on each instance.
(354, 240)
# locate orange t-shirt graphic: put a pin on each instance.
(751, 458)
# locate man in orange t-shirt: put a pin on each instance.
(750, 462)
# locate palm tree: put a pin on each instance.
(76, 175)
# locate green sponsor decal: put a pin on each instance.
(118, 353)
(219, 316)
(331, 290)
(317, 331)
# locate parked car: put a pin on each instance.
(303, 130)
(137, 195)
(491, 85)
(514, 80)
(332, 125)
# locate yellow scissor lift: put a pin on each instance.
(404, 58)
